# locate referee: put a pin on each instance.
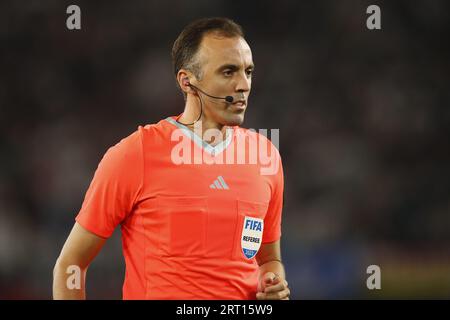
(199, 220)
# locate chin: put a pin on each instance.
(233, 120)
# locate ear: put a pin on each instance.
(183, 79)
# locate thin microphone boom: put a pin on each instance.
(228, 99)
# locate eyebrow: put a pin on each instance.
(233, 67)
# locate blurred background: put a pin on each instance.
(364, 125)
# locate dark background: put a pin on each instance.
(364, 132)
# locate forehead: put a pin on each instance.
(215, 49)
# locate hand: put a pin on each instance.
(272, 287)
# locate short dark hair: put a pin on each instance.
(186, 45)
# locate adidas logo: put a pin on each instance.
(219, 183)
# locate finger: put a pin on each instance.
(278, 287)
(274, 281)
(267, 280)
(269, 277)
(280, 295)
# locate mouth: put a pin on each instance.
(239, 105)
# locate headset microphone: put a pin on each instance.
(228, 99)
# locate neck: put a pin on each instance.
(191, 113)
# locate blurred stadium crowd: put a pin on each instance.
(364, 123)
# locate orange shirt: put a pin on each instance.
(190, 230)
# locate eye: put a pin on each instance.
(228, 73)
(249, 72)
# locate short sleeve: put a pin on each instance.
(115, 187)
(272, 221)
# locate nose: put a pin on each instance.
(243, 83)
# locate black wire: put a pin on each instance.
(201, 112)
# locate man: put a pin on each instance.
(194, 226)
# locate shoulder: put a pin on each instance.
(143, 132)
(130, 147)
(155, 132)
